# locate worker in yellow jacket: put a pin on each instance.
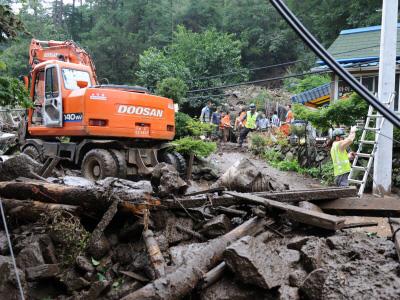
(340, 156)
(251, 123)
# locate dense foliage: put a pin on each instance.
(173, 88)
(343, 112)
(188, 126)
(117, 32)
(297, 85)
(188, 145)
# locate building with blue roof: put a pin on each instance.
(357, 50)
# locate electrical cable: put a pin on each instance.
(258, 81)
(11, 251)
(317, 48)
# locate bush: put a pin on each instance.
(173, 88)
(343, 112)
(187, 126)
(297, 86)
(188, 145)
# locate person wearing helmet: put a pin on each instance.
(251, 123)
(340, 156)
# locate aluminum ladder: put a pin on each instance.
(364, 170)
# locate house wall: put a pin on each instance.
(369, 79)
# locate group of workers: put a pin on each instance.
(246, 121)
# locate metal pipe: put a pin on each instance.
(319, 50)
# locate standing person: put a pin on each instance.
(263, 123)
(289, 115)
(225, 126)
(251, 125)
(206, 113)
(275, 122)
(340, 156)
(216, 120)
(239, 119)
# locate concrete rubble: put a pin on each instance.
(120, 239)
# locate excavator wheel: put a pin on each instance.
(98, 164)
(33, 152)
(120, 161)
(175, 159)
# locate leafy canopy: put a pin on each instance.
(296, 85)
(343, 112)
(173, 88)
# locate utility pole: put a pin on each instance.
(386, 86)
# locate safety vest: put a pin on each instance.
(251, 120)
(340, 159)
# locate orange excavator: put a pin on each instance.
(107, 130)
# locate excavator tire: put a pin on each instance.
(98, 164)
(175, 159)
(120, 160)
(33, 152)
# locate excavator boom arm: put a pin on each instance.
(69, 51)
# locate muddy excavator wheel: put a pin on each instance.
(176, 159)
(120, 160)
(98, 164)
(33, 152)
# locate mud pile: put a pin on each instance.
(118, 239)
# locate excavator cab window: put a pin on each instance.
(51, 83)
(53, 108)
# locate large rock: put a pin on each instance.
(313, 285)
(217, 226)
(254, 263)
(72, 281)
(311, 254)
(165, 178)
(30, 256)
(245, 176)
(20, 165)
(42, 272)
(8, 280)
(227, 289)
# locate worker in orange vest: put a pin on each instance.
(225, 126)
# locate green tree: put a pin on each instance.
(296, 85)
(173, 88)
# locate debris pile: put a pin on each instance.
(247, 236)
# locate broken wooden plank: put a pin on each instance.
(374, 207)
(395, 226)
(207, 191)
(361, 224)
(310, 194)
(286, 196)
(294, 212)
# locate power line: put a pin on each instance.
(258, 81)
(276, 65)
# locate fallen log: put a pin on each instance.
(374, 207)
(296, 213)
(31, 211)
(94, 199)
(184, 278)
(212, 276)
(95, 245)
(156, 258)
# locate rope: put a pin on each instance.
(11, 251)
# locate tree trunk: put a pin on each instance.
(30, 211)
(180, 282)
(154, 252)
